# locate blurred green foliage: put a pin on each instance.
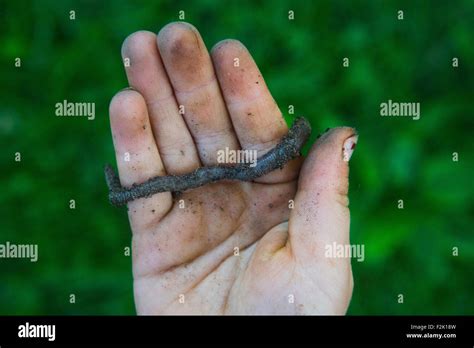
(407, 251)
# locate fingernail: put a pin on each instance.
(127, 89)
(349, 147)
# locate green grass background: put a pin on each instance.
(407, 251)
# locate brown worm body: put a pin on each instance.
(288, 148)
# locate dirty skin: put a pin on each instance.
(288, 148)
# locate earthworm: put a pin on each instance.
(288, 148)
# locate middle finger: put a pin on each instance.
(196, 88)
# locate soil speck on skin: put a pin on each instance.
(270, 205)
(194, 212)
(249, 114)
(256, 82)
(144, 126)
(182, 152)
(222, 209)
(153, 211)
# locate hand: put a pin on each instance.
(227, 247)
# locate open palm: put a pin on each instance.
(229, 247)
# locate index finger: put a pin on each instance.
(257, 120)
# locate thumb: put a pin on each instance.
(321, 215)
